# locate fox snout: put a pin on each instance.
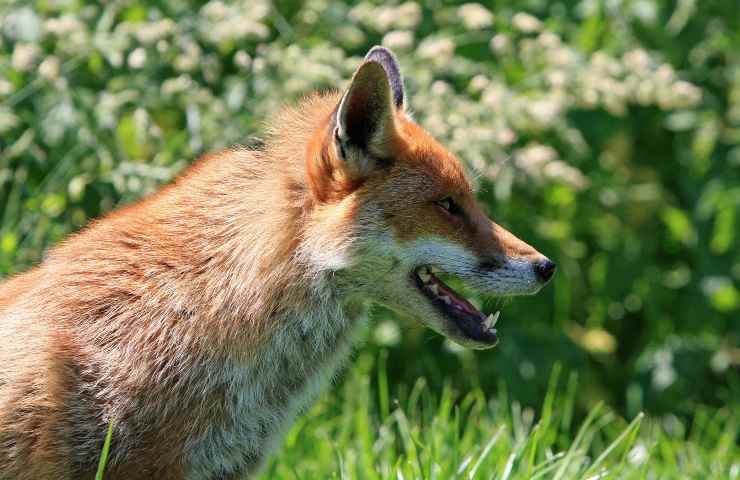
(510, 265)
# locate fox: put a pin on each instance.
(200, 321)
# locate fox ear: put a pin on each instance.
(365, 117)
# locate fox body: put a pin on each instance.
(200, 321)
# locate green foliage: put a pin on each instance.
(605, 133)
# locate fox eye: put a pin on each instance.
(450, 206)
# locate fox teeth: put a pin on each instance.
(491, 320)
(434, 288)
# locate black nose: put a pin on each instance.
(544, 270)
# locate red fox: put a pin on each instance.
(201, 320)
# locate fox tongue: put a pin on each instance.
(456, 301)
(447, 295)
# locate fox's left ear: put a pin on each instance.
(365, 117)
(363, 136)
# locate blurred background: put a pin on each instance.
(606, 133)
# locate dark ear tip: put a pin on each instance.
(388, 61)
(379, 51)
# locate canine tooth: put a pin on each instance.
(491, 320)
(434, 288)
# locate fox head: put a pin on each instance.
(405, 211)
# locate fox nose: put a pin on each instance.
(545, 269)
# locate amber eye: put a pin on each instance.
(449, 204)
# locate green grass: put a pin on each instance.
(104, 454)
(358, 431)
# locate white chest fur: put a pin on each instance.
(263, 398)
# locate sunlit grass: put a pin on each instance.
(359, 432)
(104, 454)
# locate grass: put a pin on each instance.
(359, 431)
(104, 454)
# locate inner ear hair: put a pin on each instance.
(365, 117)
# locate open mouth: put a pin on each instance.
(473, 324)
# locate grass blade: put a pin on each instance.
(104, 454)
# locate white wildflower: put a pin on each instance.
(533, 158)
(440, 88)
(605, 64)
(406, 16)
(548, 40)
(614, 104)
(637, 60)
(215, 10)
(526, 23)
(646, 11)
(494, 95)
(409, 15)
(230, 22)
(561, 56)
(398, 40)
(176, 85)
(545, 111)
(500, 43)
(24, 56)
(437, 49)
(137, 58)
(6, 88)
(505, 137)
(22, 25)
(163, 46)
(475, 16)
(385, 19)
(242, 59)
(685, 94)
(49, 68)
(645, 93)
(76, 187)
(665, 73)
(350, 36)
(64, 25)
(556, 78)
(149, 33)
(8, 119)
(478, 83)
(562, 172)
(189, 59)
(529, 49)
